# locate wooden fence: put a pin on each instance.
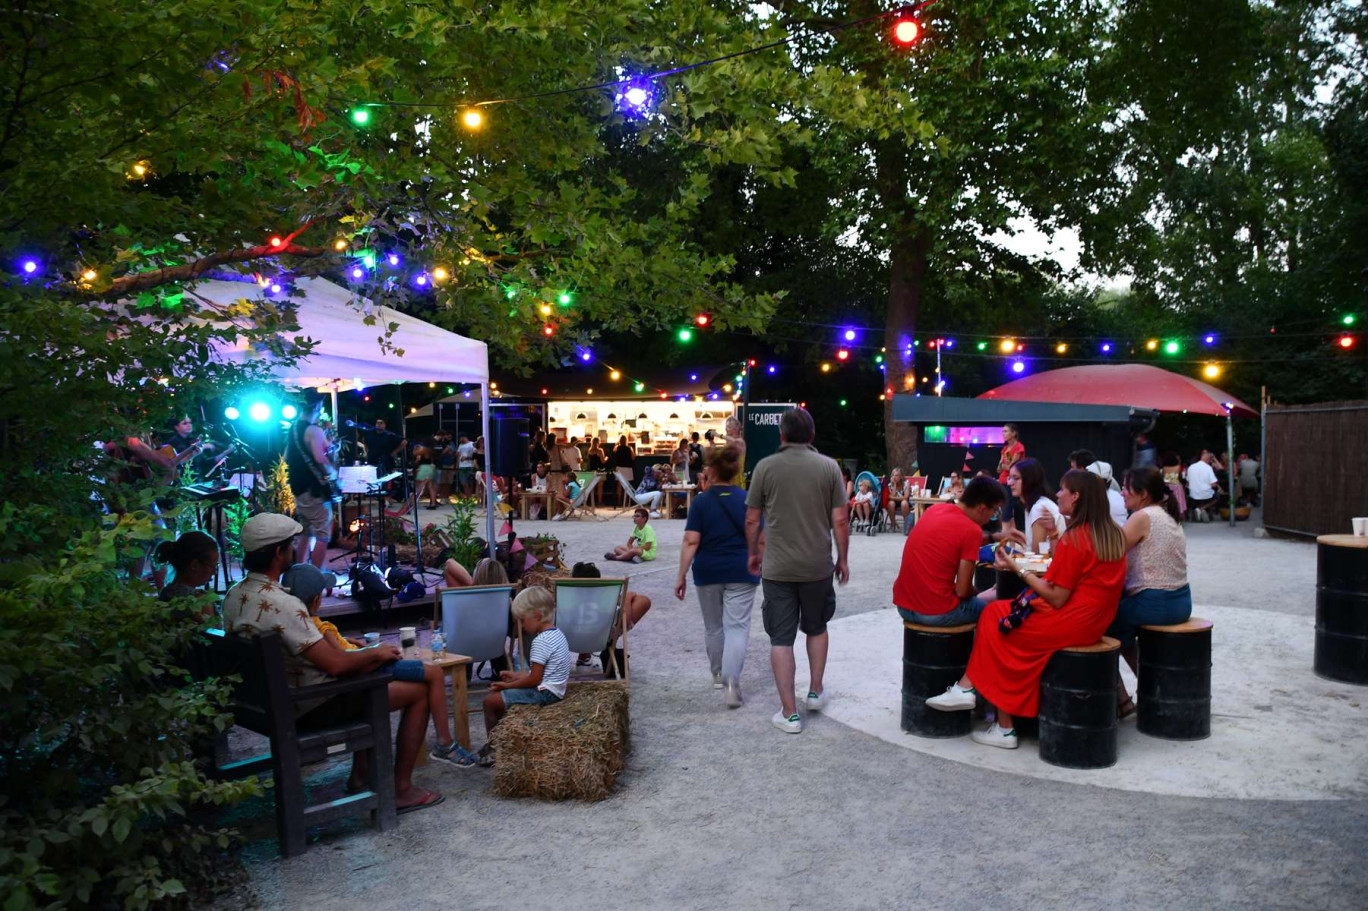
(1315, 467)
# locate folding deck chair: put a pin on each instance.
(587, 611)
(581, 506)
(475, 620)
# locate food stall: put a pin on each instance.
(653, 427)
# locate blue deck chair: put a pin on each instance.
(475, 620)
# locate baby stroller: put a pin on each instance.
(879, 508)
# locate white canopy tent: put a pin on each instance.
(349, 353)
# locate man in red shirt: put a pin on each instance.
(935, 585)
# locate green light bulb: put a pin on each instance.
(983, 346)
(564, 298)
(360, 116)
(1171, 348)
(1348, 319)
(686, 335)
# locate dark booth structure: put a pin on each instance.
(954, 433)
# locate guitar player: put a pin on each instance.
(313, 481)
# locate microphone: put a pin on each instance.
(360, 426)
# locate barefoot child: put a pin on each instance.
(549, 659)
(307, 583)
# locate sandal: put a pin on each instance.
(430, 799)
(1125, 706)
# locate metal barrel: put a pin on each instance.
(1009, 585)
(933, 658)
(1078, 706)
(1174, 696)
(1342, 608)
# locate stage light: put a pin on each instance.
(702, 320)
(231, 413)
(842, 355)
(906, 30)
(1346, 341)
(440, 275)
(1018, 366)
(360, 116)
(564, 299)
(771, 369)
(1152, 344)
(1211, 371)
(686, 335)
(289, 412)
(260, 411)
(1007, 346)
(472, 119)
(1172, 347)
(850, 335)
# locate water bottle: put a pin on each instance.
(438, 643)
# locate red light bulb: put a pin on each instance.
(277, 242)
(1346, 341)
(548, 330)
(842, 355)
(906, 31)
(702, 320)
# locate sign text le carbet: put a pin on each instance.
(765, 419)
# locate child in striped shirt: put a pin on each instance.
(543, 683)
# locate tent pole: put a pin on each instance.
(1230, 463)
(488, 466)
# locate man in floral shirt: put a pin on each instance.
(258, 604)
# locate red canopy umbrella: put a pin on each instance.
(1136, 385)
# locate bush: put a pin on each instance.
(102, 803)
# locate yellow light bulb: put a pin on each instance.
(1211, 371)
(1061, 348)
(140, 169)
(589, 392)
(439, 274)
(545, 309)
(472, 119)
(493, 385)
(615, 375)
(1007, 346)
(432, 385)
(339, 245)
(826, 368)
(89, 275)
(1151, 344)
(727, 387)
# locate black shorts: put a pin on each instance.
(791, 606)
(345, 709)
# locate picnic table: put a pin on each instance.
(673, 490)
(546, 498)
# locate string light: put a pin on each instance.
(638, 387)
(1152, 344)
(1061, 348)
(686, 335)
(421, 280)
(1211, 371)
(368, 259)
(842, 355)
(472, 119)
(1172, 347)
(340, 244)
(1346, 341)
(89, 275)
(850, 335)
(440, 275)
(1106, 347)
(586, 356)
(548, 330)
(615, 375)
(358, 273)
(276, 241)
(140, 169)
(771, 369)
(1209, 339)
(906, 30)
(1018, 366)
(1348, 319)
(982, 346)
(826, 368)
(564, 298)
(393, 260)
(360, 116)
(545, 309)
(702, 320)
(1008, 346)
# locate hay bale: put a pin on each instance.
(573, 749)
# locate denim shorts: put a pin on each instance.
(528, 696)
(408, 670)
(1150, 607)
(967, 611)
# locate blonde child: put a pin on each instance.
(544, 682)
(862, 509)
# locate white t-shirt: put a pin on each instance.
(867, 497)
(1201, 481)
(570, 457)
(465, 455)
(1042, 507)
(1118, 507)
(551, 650)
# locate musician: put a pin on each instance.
(313, 480)
(182, 440)
(133, 462)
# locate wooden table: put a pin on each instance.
(529, 495)
(454, 666)
(920, 502)
(674, 490)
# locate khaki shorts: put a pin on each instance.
(315, 514)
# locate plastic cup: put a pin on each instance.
(408, 641)
(372, 639)
(1361, 526)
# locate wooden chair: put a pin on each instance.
(587, 612)
(262, 701)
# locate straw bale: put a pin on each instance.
(572, 749)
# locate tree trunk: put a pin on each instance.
(907, 273)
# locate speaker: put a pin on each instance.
(511, 439)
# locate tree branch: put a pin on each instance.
(141, 281)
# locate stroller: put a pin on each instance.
(879, 508)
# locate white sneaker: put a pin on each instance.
(558, 516)
(790, 725)
(717, 681)
(955, 699)
(733, 695)
(655, 514)
(816, 701)
(994, 736)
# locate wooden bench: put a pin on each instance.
(1173, 697)
(1077, 714)
(264, 702)
(933, 658)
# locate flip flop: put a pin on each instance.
(430, 799)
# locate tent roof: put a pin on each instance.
(349, 354)
(1135, 385)
(934, 409)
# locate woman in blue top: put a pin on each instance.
(715, 545)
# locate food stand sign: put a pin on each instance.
(762, 431)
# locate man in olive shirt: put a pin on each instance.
(801, 494)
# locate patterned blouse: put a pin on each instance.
(258, 604)
(1160, 560)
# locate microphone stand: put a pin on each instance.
(411, 497)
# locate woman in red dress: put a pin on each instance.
(1075, 603)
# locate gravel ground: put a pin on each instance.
(718, 808)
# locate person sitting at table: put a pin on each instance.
(1042, 522)
(899, 497)
(648, 493)
(935, 584)
(1157, 589)
(1084, 459)
(540, 483)
(1073, 604)
(1204, 490)
(568, 494)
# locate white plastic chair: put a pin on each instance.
(586, 611)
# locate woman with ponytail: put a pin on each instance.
(1157, 589)
(192, 557)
